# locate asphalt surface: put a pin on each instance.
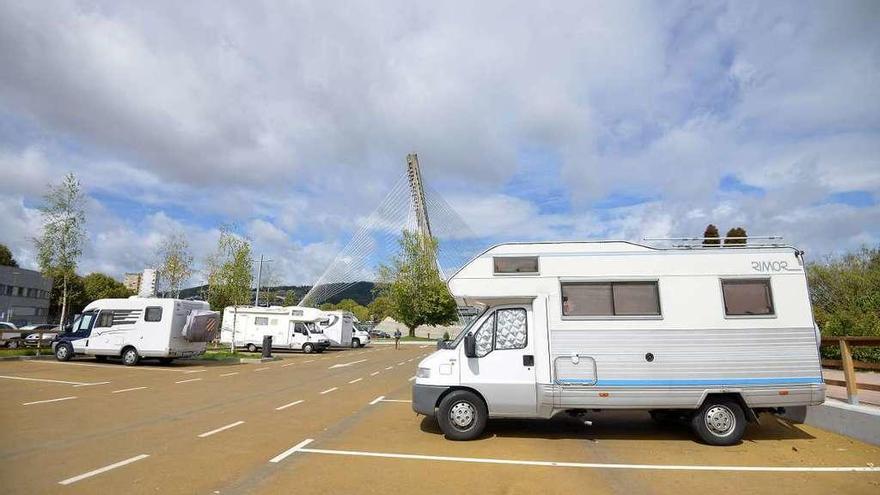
(341, 422)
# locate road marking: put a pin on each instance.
(190, 380)
(285, 406)
(280, 457)
(45, 401)
(107, 366)
(401, 363)
(390, 368)
(413, 378)
(395, 400)
(103, 469)
(127, 390)
(356, 380)
(230, 374)
(41, 380)
(343, 365)
(260, 369)
(377, 400)
(90, 384)
(310, 361)
(218, 430)
(329, 390)
(286, 365)
(591, 465)
(195, 371)
(374, 373)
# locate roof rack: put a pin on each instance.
(697, 242)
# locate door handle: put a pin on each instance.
(528, 360)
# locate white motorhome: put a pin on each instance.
(139, 327)
(338, 327)
(712, 335)
(291, 327)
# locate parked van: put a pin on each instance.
(338, 327)
(359, 337)
(139, 327)
(713, 336)
(291, 327)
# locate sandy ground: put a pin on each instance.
(153, 429)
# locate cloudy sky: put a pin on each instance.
(565, 120)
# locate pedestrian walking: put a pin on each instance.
(397, 339)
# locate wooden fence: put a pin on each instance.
(849, 366)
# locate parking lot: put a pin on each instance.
(341, 422)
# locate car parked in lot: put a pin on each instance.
(32, 332)
(379, 334)
(10, 335)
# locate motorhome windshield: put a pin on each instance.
(313, 329)
(464, 331)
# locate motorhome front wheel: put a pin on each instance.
(462, 415)
(63, 352)
(130, 356)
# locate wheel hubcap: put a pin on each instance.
(462, 414)
(62, 351)
(720, 420)
(129, 357)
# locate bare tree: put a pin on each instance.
(175, 263)
(60, 244)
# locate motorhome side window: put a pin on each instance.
(747, 297)
(105, 319)
(261, 321)
(515, 264)
(598, 299)
(153, 313)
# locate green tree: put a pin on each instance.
(710, 236)
(230, 275)
(735, 232)
(6, 258)
(100, 286)
(412, 286)
(845, 293)
(290, 298)
(76, 297)
(59, 245)
(175, 263)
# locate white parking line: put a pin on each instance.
(190, 380)
(356, 380)
(395, 400)
(377, 400)
(390, 368)
(590, 465)
(285, 406)
(107, 366)
(218, 430)
(195, 371)
(45, 401)
(286, 365)
(412, 378)
(329, 390)
(374, 373)
(310, 361)
(260, 369)
(90, 384)
(41, 380)
(401, 363)
(343, 365)
(103, 469)
(280, 457)
(230, 374)
(127, 390)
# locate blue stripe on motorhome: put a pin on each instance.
(694, 383)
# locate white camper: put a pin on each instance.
(291, 327)
(338, 327)
(713, 336)
(139, 327)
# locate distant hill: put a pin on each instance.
(362, 292)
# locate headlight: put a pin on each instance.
(423, 373)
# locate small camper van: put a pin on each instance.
(338, 327)
(712, 336)
(139, 327)
(291, 327)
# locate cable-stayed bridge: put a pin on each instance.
(409, 205)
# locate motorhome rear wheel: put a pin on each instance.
(462, 415)
(251, 348)
(355, 343)
(166, 360)
(719, 422)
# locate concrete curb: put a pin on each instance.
(859, 422)
(407, 342)
(26, 358)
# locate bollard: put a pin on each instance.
(267, 346)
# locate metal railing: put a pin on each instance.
(846, 362)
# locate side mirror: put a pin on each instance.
(470, 346)
(440, 343)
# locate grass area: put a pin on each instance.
(221, 354)
(25, 351)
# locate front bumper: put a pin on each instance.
(424, 398)
(324, 344)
